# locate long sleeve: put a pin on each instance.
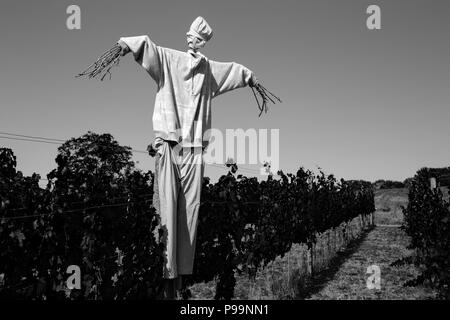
(228, 76)
(146, 53)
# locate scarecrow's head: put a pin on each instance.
(195, 43)
(199, 33)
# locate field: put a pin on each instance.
(381, 247)
(388, 205)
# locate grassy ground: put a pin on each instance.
(388, 205)
(446, 193)
(347, 279)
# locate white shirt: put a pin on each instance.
(187, 82)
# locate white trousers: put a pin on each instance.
(180, 174)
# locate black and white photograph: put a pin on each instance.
(239, 151)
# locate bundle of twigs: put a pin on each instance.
(266, 96)
(103, 65)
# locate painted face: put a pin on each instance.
(194, 42)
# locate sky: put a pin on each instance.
(358, 103)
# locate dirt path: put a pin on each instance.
(347, 279)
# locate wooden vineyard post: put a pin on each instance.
(313, 254)
(334, 241)
(433, 183)
(328, 246)
(155, 200)
(311, 258)
(289, 270)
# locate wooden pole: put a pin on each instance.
(433, 183)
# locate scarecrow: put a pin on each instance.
(186, 84)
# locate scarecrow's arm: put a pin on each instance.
(230, 75)
(145, 52)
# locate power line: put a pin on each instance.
(223, 166)
(113, 205)
(46, 140)
(32, 137)
(30, 140)
(38, 139)
(75, 210)
(83, 202)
